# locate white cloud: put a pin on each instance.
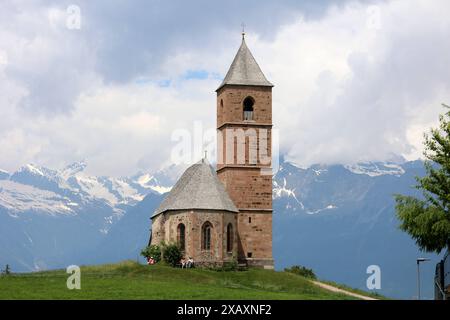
(345, 89)
(348, 92)
(118, 129)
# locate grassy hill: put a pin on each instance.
(129, 280)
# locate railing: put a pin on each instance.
(446, 266)
(442, 278)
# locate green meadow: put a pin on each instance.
(130, 280)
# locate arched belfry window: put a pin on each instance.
(206, 236)
(248, 108)
(230, 237)
(181, 236)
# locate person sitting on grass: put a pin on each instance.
(190, 263)
(183, 263)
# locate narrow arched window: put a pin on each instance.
(206, 236)
(181, 236)
(248, 108)
(230, 237)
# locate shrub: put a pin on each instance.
(301, 271)
(171, 254)
(226, 266)
(230, 266)
(153, 251)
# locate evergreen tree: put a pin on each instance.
(7, 270)
(427, 220)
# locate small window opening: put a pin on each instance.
(181, 235)
(206, 236)
(248, 108)
(230, 237)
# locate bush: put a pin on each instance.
(171, 254)
(301, 271)
(230, 266)
(226, 266)
(153, 251)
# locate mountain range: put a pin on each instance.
(336, 219)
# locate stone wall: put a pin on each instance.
(158, 232)
(193, 221)
(250, 190)
(245, 144)
(230, 103)
(247, 187)
(255, 238)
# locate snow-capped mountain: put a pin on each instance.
(307, 190)
(48, 217)
(4, 174)
(161, 181)
(374, 169)
(340, 219)
(17, 198)
(336, 219)
(68, 190)
(73, 169)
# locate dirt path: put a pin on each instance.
(334, 289)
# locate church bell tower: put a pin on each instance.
(244, 129)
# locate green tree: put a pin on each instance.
(7, 270)
(427, 220)
(152, 251)
(171, 254)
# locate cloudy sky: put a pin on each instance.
(354, 81)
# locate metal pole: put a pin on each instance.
(418, 280)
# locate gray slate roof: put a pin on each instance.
(245, 70)
(198, 188)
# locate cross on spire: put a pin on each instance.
(243, 30)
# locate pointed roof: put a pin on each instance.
(245, 70)
(198, 188)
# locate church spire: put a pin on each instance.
(244, 69)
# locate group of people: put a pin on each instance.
(187, 263)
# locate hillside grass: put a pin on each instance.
(355, 290)
(130, 280)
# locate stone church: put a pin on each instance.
(225, 214)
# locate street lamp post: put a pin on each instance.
(419, 260)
